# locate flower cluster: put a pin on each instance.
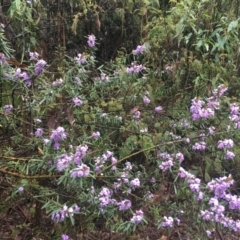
(135, 68)
(234, 115)
(140, 49)
(137, 217)
(100, 161)
(60, 215)
(146, 100)
(81, 171)
(77, 102)
(80, 153)
(168, 160)
(91, 40)
(57, 83)
(96, 135)
(39, 67)
(124, 205)
(57, 136)
(34, 56)
(7, 109)
(39, 132)
(201, 146)
(105, 199)
(80, 58)
(194, 183)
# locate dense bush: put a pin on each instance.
(132, 142)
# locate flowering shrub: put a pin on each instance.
(107, 142)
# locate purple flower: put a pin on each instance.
(226, 143)
(166, 165)
(7, 109)
(128, 166)
(91, 40)
(104, 115)
(39, 132)
(26, 78)
(135, 183)
(146, 100)
(96, 135)
(57, 83)
(37, 121)
(78, 81)
(80, 153)
(63, 162)
(81, 171)
(201, 146)
(104, 197)
(168, 222)
(211, 130)
(137, 115)
(221, 89)
(2, 58)
(208, 233)
(104, 77)
(220, 185)
(57, 136)
(135, 68)
(179, 156)
(140, 49)
(80, 59)
(33, 56)
(229, 155)
(234, 109)
(77, 102)
(124, 205)
(158, 109)
(60, 215)
(137, 217)
(213, 103)
(65, 237)
(39, 67)
(20, 189)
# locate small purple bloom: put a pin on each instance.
(229, 155)
(146, 100)
(2, 58)
(39, 132)
(80, 59)
(63, 162)
(137, 115)
(226, 143)
(96, 135)
(158, 109)
(91, 40)
(39, 67)
(57, 83)
(7, 109)
(34, 56)
(166, 165)
(20, 189)
(78, 102)
(137, 217)
(140, 49)
(124, 205)
(201, 146)
(57, 136)
(168, 222)
(135, 183)
(81, 171)
(65, 237)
